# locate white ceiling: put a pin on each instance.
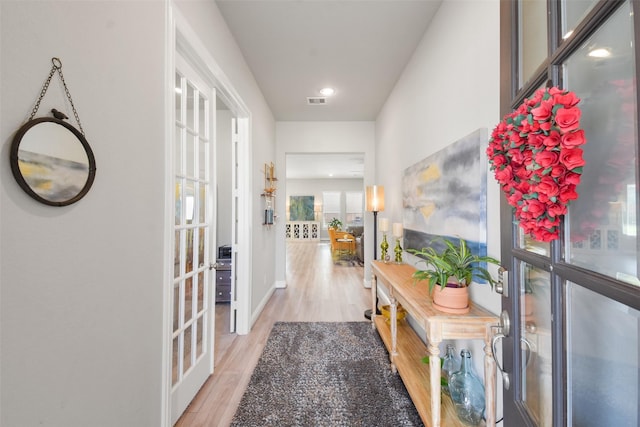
(325, 166)
(296, 47)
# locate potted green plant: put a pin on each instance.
(335, 223)
(453, 270)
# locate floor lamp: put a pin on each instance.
(374, 203)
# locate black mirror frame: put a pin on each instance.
(23, 183)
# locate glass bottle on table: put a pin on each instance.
(450, 364)
(467, 392)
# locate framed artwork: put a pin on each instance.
(301, 208)
(445, 196)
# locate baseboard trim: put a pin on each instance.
(281, 284)
(262, 305)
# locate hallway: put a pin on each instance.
(318, 290)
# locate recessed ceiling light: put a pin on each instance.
(600, 53)
(327, 91)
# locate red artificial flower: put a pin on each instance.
(568, 119)
(546, 158)
(573, 139)
(535, 208)
(543, 112)
(504, 175)
(547, 187)
(552, 140)
(572, 158)
(568, 100)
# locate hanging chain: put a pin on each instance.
(57, 66)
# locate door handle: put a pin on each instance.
(504, 327)
(506, 380)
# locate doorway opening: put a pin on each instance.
(321, 187)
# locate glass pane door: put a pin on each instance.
(192, 355)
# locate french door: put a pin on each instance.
(193, 231)
(571, 320)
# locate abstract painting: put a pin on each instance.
(301, 208)
(445, 196)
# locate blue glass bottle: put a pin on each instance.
(450, 364)
(467, 392)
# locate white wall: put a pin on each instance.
(81, 286)
(448, 90)
(321, 137)
(81, 301)
(224, 222)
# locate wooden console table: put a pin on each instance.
(406, 349)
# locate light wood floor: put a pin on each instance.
(317, 291)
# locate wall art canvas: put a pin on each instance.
(445, 196)
(301, 208)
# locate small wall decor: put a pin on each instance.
(50, 159)
(445, 195)
(537, 160)
(269, 193)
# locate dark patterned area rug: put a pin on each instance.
(325, 374)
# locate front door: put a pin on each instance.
(193, 230)
(571, 353)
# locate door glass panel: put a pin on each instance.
(176, 311)
(178, 151)
(602, 360)
(572, 13)
(202, 203)
(202, 116)
(532, 37)
(178, 201)
(535, 334)
(190, 99)
(189, 249)
(188, 345)
(602, 232)
(188, 299)
(191, 158)
(176, 256)
(174, 362)
(525, 241)
(189, 201)
(178, 89)
(200, 336)
(202, 162)
(201, 295)
(201, 246)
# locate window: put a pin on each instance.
(353, 208)
(331, 206)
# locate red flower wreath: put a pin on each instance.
(535, 154)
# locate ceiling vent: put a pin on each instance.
(316, 100)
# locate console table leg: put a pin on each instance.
(434, 372)
(393, 319)
(489, 380)
(374, 298)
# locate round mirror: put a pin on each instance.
(52, 161)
